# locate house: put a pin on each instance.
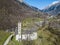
(27, 34)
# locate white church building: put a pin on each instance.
(26, 34)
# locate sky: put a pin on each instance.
(41, 4)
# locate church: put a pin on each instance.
(30, 34)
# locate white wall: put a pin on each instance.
(32, 36)
(18, 37)
(24, 37)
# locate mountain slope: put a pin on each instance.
(53, 8)
(12, 11)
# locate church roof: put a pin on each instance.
(29, 31)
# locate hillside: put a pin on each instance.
(12, 11)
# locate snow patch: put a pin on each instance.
(55, 2)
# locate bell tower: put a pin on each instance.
(19, 35)
(19, 28)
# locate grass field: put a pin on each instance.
(3, 36)
(45, 37)
(14, 42)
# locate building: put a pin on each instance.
(27, 34)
